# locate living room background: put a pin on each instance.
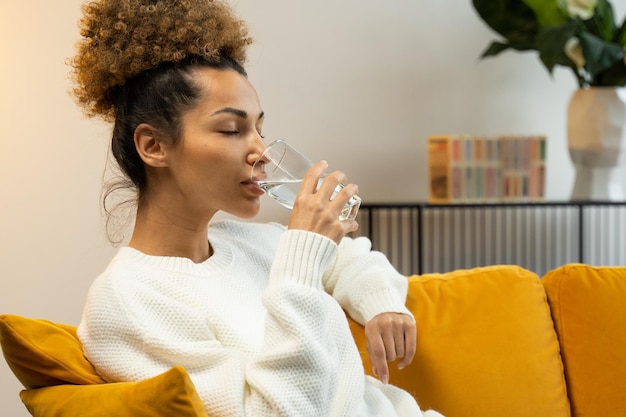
(360, 83)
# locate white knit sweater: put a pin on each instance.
(255, 325)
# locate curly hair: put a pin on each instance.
(137, 63)
(123, 38)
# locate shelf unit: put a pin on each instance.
(423, 238)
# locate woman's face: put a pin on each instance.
(209, 167)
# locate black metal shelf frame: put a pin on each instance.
(580, 225)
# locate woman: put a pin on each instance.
(254, 312)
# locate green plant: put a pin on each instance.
(578, 34)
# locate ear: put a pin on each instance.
(149, 147)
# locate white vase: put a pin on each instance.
(596, 134)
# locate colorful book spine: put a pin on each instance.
(439, 161)
(483, 169)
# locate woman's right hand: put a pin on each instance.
(314, 211)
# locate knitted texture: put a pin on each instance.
(259, 326)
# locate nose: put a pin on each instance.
(256, 158)
(258, 147)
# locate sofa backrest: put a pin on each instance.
(589, 308)
(486, 345)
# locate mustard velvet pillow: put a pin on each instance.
(486, 345)
(589, 309)
(49, 355)
(41, 353)
(169, 394)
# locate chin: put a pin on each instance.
(246, 212)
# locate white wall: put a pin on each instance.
(358, 82)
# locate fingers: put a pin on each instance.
(331, 187)
(390, 336)
(410, 345)
(378, 357)
(349, 226)
(318, 205)
(312, 178)
(328, 187)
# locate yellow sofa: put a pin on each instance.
(496, 341)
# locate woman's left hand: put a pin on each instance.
(390, 336)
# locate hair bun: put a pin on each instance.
(123, 38)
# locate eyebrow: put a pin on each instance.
(237, 112)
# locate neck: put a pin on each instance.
(162, 232)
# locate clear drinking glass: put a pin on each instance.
(284, 168)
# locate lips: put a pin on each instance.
(253, 187)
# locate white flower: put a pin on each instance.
(579, 8)
(574, 51)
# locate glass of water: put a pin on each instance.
(279, 172)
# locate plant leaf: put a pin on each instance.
(512, 19)
(603, 21)
(599, 55)
(620, 35)
(548, 13)
(551, 45)
(494, 49)
(614, 76)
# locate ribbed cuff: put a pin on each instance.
(301, 258)
(386, 301)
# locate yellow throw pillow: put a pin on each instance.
(170, 394)
(486, 345)
(589, 309)
(41, 353)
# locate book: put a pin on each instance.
(486, 168)
(439, 162)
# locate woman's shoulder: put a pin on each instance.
(127, 263)
(132, 272)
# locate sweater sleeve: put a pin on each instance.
(295, 372)
(364, 282)
(304, 334)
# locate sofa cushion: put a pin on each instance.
(169, 394)
(486, 345)
(589, 309)
(42, 353)
(49, 355)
